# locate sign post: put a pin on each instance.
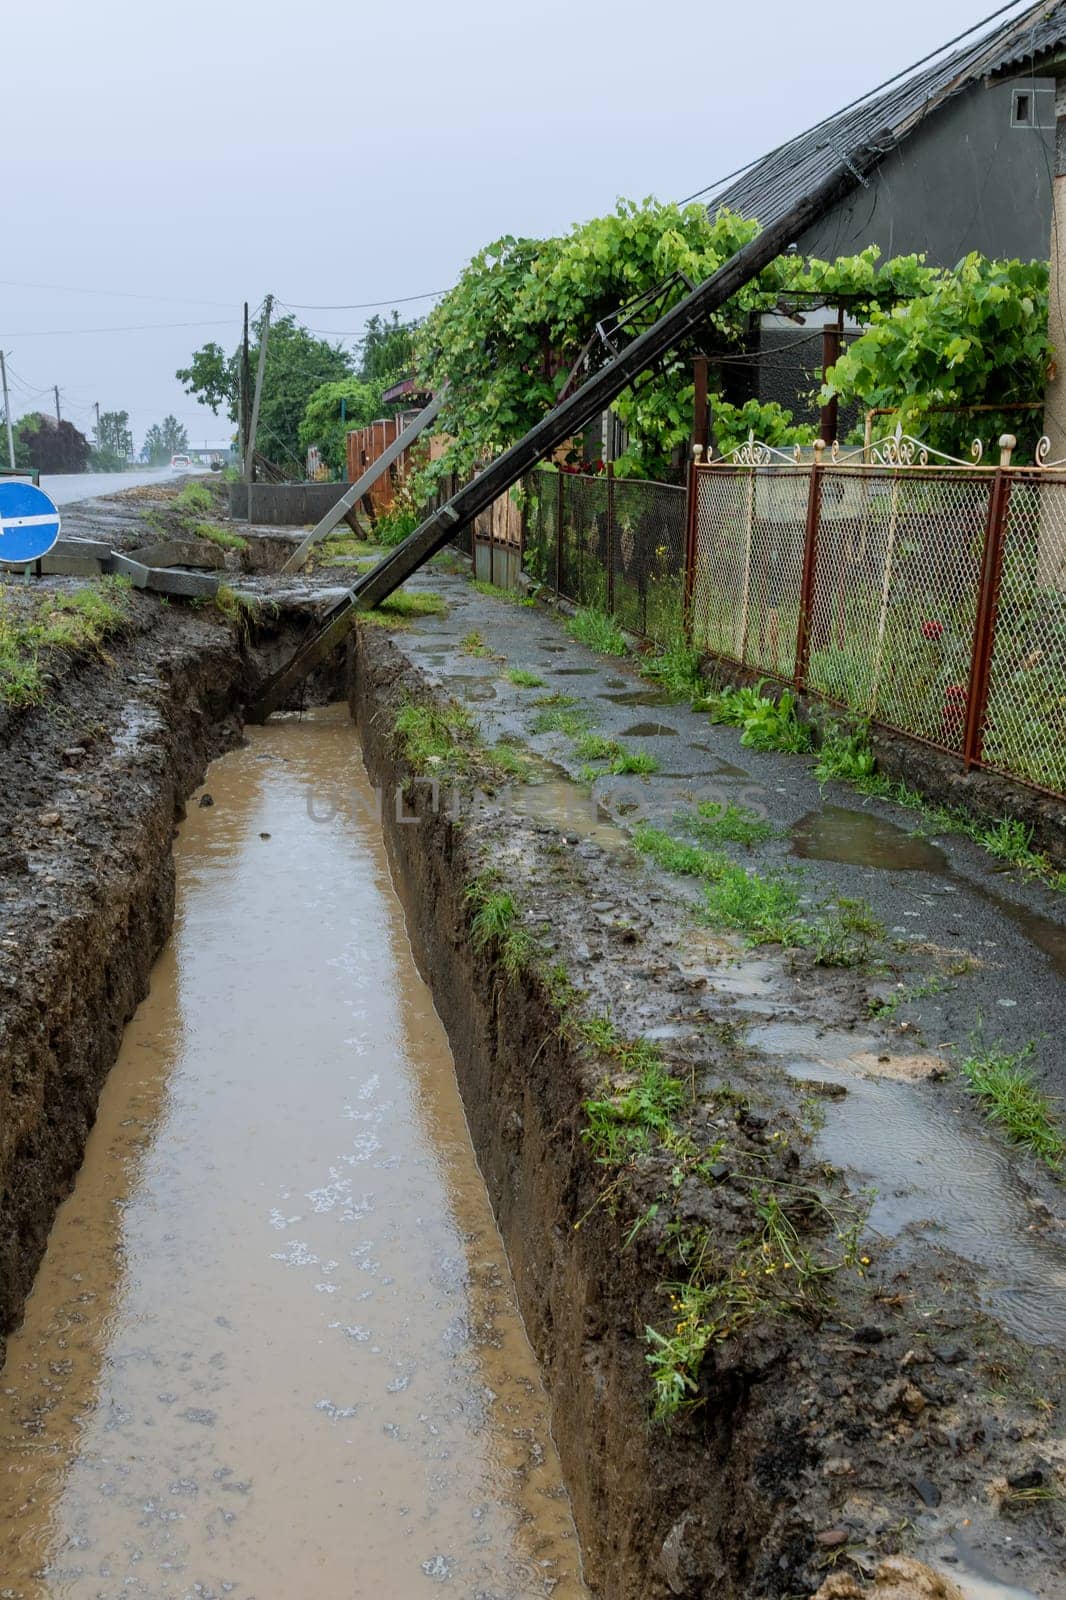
(29, 523)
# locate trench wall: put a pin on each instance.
(659, 1512)
(74, 967)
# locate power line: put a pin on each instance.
(132, 327)
(765, 155)
(121, 294)
(367, 305)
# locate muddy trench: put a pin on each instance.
(273, 1347)
(335, 1307)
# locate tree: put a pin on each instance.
(332, 411)
(504, 341)
(387, 355)
(297, 363)
(114, 442)
(49, 446)
(165, 439)
(387, 351)
(977, 337)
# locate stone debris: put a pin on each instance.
(897, 1578)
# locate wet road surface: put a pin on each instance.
(67, 487)
(980, 954)
(273, 1349)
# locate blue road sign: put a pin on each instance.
(29, 523)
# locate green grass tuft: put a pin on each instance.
(619, 759)
(727, 824)
(765, 724)
(562, 716)
(513, 597)
(523, 679)
(219, 536)
(495, 921)
(599, 631)
(846, 756)
(1011, 1099)
(765, 907)
(432, 736)
(75, 622)
(194, 497)
(397, 608)
(676, 665)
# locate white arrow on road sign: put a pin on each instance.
(29, 523)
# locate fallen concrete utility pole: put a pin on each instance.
(564, 420)
(351, 497)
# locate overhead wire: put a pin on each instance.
(121, 294)
(133, 327)
(367, 305)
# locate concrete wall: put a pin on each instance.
(964, 180)
(286, 505)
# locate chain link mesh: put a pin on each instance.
(1025, 729)
(622, 546)
(895, 595)
(648, 557)
(750, 527)
(896, 581)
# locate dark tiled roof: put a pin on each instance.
(775, 182)
(1041, 34)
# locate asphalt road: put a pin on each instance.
(64, 488)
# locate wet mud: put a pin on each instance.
(273, 1348)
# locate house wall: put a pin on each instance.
(964, 180)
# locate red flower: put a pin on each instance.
(932, 629)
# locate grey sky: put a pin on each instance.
(339, 152)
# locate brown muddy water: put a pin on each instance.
(273, 1348)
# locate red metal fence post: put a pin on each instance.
(984, 631)
(610, 538)
(701, 417)
(559, 534)
(810, 554)
(691, 521)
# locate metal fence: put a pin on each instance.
(923, 592)
(616, 544)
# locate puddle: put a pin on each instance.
(638, 697)
(1048, 936)
(903, 1141)
(576, 672)
(724, 769)
(474, 687)
(647, 730)
(273, 1347)
(861, 839)
(858, 838)
(569, 807)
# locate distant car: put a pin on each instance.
(216, 463)
(181, 461)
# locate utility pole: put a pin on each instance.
(56, 392)
(7, 413)
(96, 405)
(244, 381)
(253, 426)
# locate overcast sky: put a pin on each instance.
(163, 165)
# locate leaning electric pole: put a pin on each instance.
(7, 414)
(253, 425)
